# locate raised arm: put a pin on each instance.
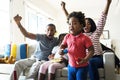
(64, 9)
(107, 6)
(17, 19)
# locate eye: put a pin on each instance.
(69, 23)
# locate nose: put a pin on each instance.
(86, 25)
(71, 25)
(49, 32)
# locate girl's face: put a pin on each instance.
(74, 26)
(87, 26)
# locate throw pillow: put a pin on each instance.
(7, 50)
(13, 50)
(21, 51)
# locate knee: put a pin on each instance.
(51, 66)
(51, 69)
(42, 69)
(17, 63)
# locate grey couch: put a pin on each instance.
(106, 73)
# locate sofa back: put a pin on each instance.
(31, 49)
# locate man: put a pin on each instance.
(45, 44)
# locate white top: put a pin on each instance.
(56, 52)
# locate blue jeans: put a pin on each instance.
(94, 63)
(77, 73)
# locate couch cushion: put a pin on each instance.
(4, 77)
(7, 50)
(18, 51)
(101, 72)
(21, 51)
(31, 49)
(6, 68)
(64, 72)
(13, 50)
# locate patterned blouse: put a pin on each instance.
(95, 36)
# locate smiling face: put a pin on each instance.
(74, 26)
(87, 28)
(90, 26)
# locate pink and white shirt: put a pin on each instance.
(95, 36)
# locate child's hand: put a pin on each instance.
(61, 52)
(81, 60)
(62, 59)
(50, 57)
(78, 60)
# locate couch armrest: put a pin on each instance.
(109, 65)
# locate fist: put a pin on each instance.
(63, 4)
(17, 18)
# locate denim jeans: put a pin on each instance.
(94, 63)
(77, 73)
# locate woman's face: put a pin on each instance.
(87, 27)
(74, 26)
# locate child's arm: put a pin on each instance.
(89, 55)
(62, 47)
(51, 56)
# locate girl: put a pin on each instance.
(77, 43)
(55, 61)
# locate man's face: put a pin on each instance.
(50, 31)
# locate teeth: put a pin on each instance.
(85, 28)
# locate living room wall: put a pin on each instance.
(15, 9)
(112, 24)
(18, 7)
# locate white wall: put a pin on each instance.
(112, 24)
(18, 7)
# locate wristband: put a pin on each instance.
(65, 51)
